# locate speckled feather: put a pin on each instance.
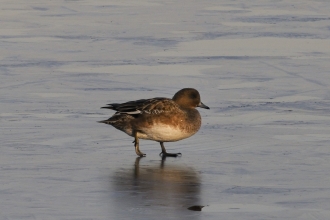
(145, 106)
(158, 119)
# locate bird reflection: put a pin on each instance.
(153, 187)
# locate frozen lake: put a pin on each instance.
(263, 67)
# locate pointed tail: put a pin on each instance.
(108, 121)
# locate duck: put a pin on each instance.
(158, 119)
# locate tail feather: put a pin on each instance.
(108, 107)
(116, 118)
(108, 121)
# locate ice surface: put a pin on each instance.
(262, 66)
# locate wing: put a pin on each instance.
(144, 106)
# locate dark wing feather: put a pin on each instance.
(144, 106)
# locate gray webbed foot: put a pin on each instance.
(165, 154)
(137, 148)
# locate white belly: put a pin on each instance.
(163, 133)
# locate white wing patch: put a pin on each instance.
(133, 113)
(129, 113)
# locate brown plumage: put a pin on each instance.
(158, 119)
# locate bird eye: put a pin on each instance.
(193, 96)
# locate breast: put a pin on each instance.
(165, 133)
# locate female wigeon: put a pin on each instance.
(159, 119)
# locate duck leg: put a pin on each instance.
(136, 145)
(165, 154)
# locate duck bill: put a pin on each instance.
(201, 105)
